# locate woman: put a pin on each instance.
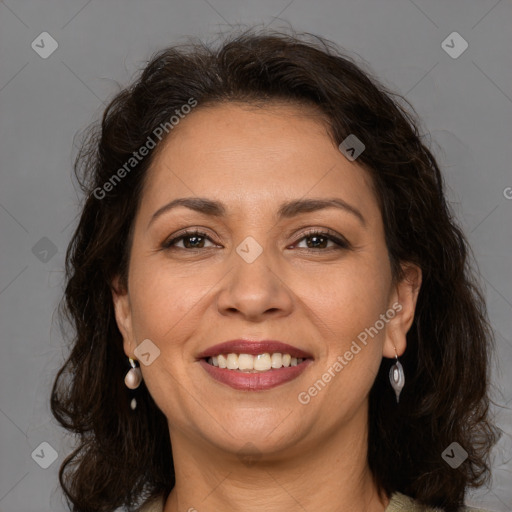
(267, 278)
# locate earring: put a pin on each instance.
(132, 380)
(397, 377)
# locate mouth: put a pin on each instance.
(254, 365)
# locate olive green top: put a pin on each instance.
(398, 503)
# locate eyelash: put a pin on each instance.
(340, 242)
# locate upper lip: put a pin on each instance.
(254, 348)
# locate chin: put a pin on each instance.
(265, 435)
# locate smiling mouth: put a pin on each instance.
(259, 363)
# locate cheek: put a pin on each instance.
(350, 298)
(162, 298)
(346, 308)
(151, 310)
(359, 300)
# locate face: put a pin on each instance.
(287, 245)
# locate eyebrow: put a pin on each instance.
(286, 210)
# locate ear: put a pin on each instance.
(123, 314)
(403, 301)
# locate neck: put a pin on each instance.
(328, 474)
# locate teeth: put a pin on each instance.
(262, 362)
(245, 362)
(232, 362)
(276, 360)
(249, 363)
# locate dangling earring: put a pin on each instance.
(397, 377)
(132, 380)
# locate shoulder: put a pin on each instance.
(401, 503)
(155, 504)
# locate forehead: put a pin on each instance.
(247, 155)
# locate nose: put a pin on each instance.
(255, 291)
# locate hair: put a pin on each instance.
(123, 456)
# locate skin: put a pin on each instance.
(252, 159)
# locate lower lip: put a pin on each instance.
(245, 381)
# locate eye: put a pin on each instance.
(190, 239)
(320, 240)
(314, 240)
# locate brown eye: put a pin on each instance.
(320, 240)
(191, 240)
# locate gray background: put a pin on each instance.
(465, 104)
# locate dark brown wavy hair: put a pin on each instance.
(123, 457)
